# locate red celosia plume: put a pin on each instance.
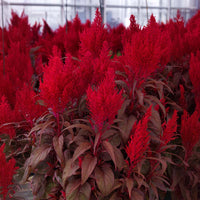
(195, 77)
(139, 141)
(26, 107)
(190, 131)
(6, 116)
(93, 37)
(169, 131)
(146, 51)
(56, 83)
(7, 170)
(104, 102)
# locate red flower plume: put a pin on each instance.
(139, 141)
(93, 37)
(104, 102)
(170, 129)
(195, 77)
(7, 170)
(6, 116)
(190, 131)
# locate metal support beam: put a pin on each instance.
(169, 10)
(139, 11)
(62, 13)
(160, 13)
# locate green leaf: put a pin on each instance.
(104, 179)
(88, 164)
(81, 149)
(69, 170)
(109, 148)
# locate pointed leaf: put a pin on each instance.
(85, 192)
(88, 164)
(81, 149)
(58, 147)
(137, 195)
(104, 179)
(72, 189)
(129, 185)
(97, 137)
(158, 183)
(38, 155)
(69, 170)
(119, 158)
(82, 126)
(115, 196)
(109, 148)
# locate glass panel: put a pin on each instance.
(122, 2)
(35, 1)
(83, 12)
(163, 15)
(164, 3)
(55, 15)
(115, 16)
(37, 13)
(149, 3)
(183, 3)
(143, 17)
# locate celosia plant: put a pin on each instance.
(104, 102)
(89, 112)
(190, 132)
(7, 170)
(139, 142)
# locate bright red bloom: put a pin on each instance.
(6, 116)
(139, 141)
(102, 64)
(72, 40)
(195, 77)
(192, 35)
(20, 30)
(18, 70)
(132, 29)
(7, 170)
(27, 106)
(93, 37)
(115, 37)
(190, 131)
(35, 30)
(146, 51)
(176, 31)
(57, 84)
(170, 129)
(182, 99)
(104, 102)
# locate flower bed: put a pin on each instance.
(88, 112)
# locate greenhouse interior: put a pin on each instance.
(99, 99)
